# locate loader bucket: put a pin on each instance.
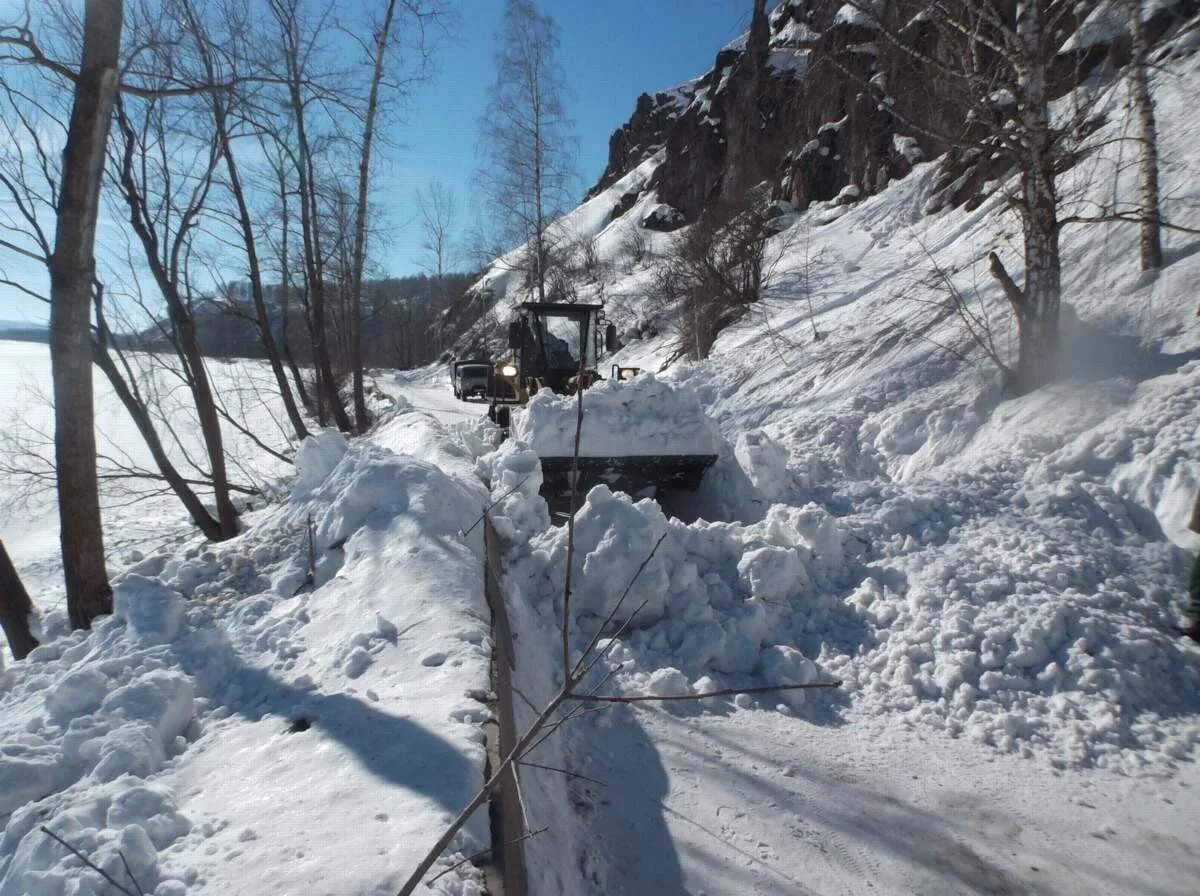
(633, 474)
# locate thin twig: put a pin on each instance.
(488, 509)
(612, 641)
(617, 606)
(516, 690)
(724, 692)
(484, 852)
(561, 771)
(104, 874)
(129, 871)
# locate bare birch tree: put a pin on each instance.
(527, 152)
(299, 41)
(226, 120)
(436, 212)
(1150, 243)
(72, 271)
(998, 64)
(379, 50)
(165, 191)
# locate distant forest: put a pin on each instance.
(407, 322)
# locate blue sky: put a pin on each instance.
(612, 50)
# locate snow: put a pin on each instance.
(996, 581)
(140, 518)
(237, 726)
(615, 423)
(852, 15)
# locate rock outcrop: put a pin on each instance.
(790, 111)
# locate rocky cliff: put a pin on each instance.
(786, 110)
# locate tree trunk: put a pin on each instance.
(1037, 316)
(1150, 243)
(310, 223)
(285, 295)
(257, 291)
(72, 269)
(1037, 322)
(15, 609)
(327, 388)
(360, 223)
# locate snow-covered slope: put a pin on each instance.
(1015, 552)
(987, 575)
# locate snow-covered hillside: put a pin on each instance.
(1003, 572)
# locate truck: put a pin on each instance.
(471, 378)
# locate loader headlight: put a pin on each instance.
(508, 370)
(628, 373)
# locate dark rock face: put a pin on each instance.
(644, 134)
(784, 106)
(787, 107)
(663, 218)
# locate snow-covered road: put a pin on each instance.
(756, 802)
(428, 389)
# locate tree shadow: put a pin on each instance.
(395, 749)
(639, 851)
(1090, 353)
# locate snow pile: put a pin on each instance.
(316, 457)
(515, 474)
(1045, 623)
(1025, 614)
(295, 710)
(87, 722)
(633, 418)
(715, 605)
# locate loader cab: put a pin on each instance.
(551, 341)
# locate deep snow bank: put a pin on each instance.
(246, 723)
(961, 634)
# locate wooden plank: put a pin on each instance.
(508, 825)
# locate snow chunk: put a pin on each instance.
(28, 772)
(765, 463)
(162, 699)
(134, 749)
(613, 536)
(152, 808)
(316, 457)
(153, 612)
(667, 682)
(773, 573)
(79, 691)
